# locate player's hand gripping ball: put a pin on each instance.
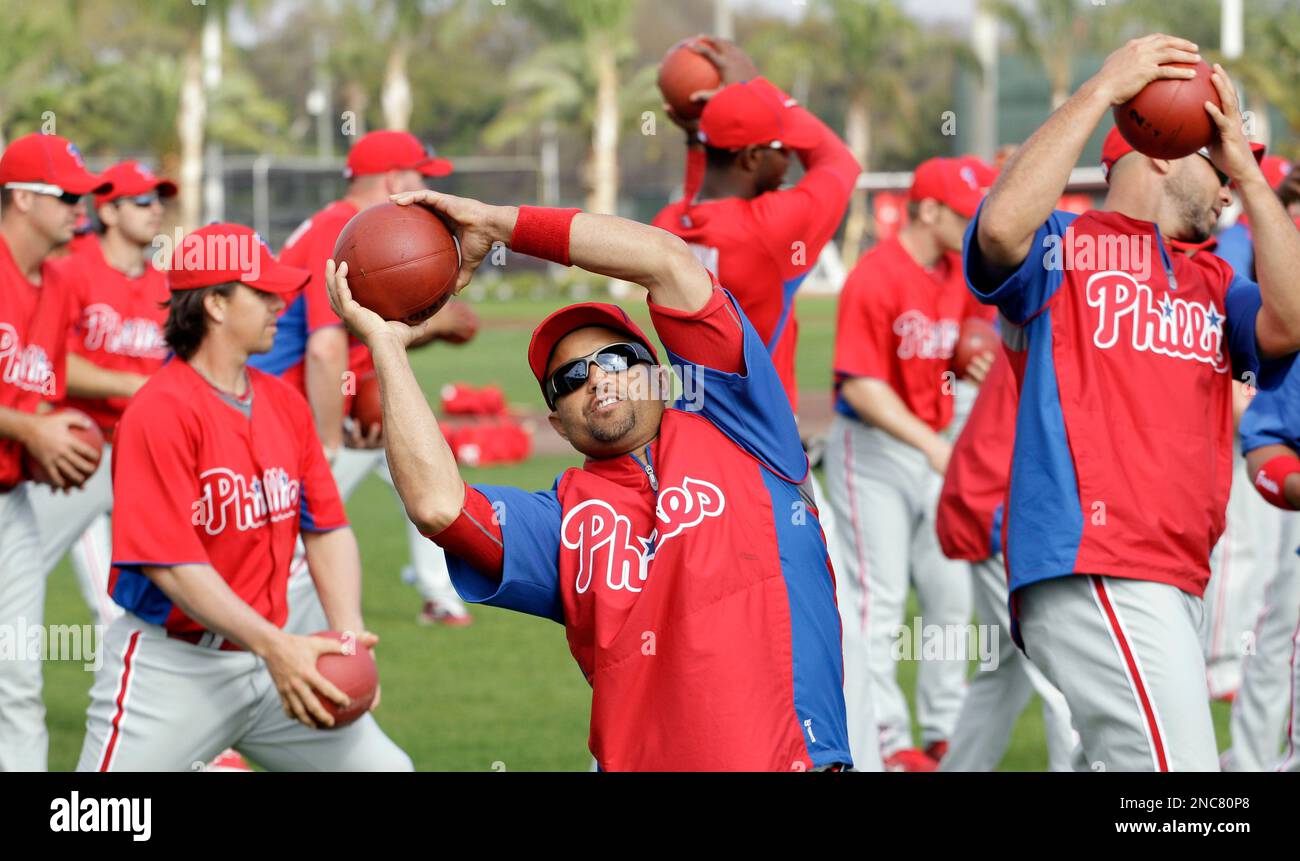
(977, 337)
(354, 674)
(402, 261)
(91, 436)
(1167, 118)
(683, 72)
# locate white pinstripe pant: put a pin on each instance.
(1127, 655)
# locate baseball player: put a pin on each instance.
(312, 353)
(1245, 560)
(218, 469)
(899, 318)
(1270, 437)
(759, 240)
(1123, 447)
(684, 557)
(969, 524)
(115, 343)
(42, 181)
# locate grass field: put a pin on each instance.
(503, 693)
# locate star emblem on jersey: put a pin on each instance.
(1178, 328)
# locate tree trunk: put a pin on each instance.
(603, 193)
(857, 134)
(190, 120)
(396, 97)
(356, 101)
(1059, 71)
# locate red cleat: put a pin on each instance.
(910, 759)
(937, 750)
(229, 760)
(439, 613)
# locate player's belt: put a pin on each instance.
(206, 640)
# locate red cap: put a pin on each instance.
(380, 152)
(222, 253)
(954, 182)
(755, 113)
(1115, 147)
(51, 161)
(129, 179)
(551, 330)
(985, 173)
(1276, 169)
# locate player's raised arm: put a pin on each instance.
(1034, 178)
(1277, 242)
(602, 244)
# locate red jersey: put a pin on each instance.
(117, 323)
(899, 323)
(761, 250)
(33, 341)
(694, 585)
(1125, 360)
(308, 247)
(969, 521)
(197, 481)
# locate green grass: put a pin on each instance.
(503, 693)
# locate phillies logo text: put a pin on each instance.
(605, 540)
(228, 498)
(1179, 328)
(919, 337)
(29, 368)
(137, 337)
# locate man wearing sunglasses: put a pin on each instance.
(1124, 353)
(42, 181)
(115, 344)
(684, 557)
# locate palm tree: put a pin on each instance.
(1271, 67)
(32, 39)
(1053, 32)
(575, 78)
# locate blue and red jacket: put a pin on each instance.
(694, 585)
(1123, 442)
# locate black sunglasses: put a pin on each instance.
(141, 200)
(1224, 179)
(67, 198)
(612, 359)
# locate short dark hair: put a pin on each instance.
(187, 319)
(913, 209)
(6, 197)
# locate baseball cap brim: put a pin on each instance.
(435, 167)
(559, 324)
(279, 278)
